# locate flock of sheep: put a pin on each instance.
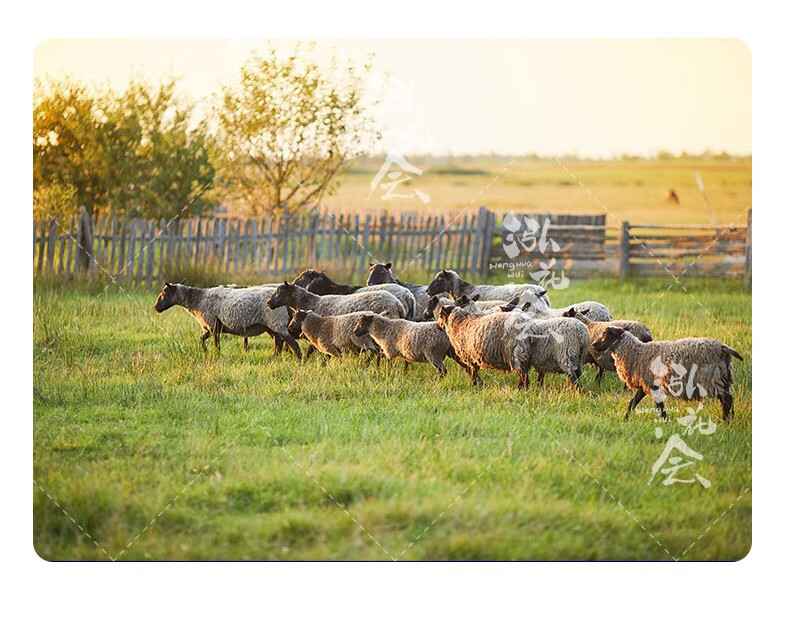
(506, 328)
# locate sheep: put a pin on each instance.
(319, 283)
(603, 360)
(297, 297)
(487, 341)
(380, 273)
(594, 311)
(450, 282)
(435, 303)
(412, 341)
(645, 368)
(556, 344)
(473, 304)
(231, 309)
(332, 335)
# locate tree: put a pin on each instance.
(130, 154)
(288, 128)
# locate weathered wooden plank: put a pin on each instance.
(53, 232)
(747, 270)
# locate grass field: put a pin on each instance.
(147, 448)
(630, 190)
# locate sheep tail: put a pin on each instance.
(733, 353)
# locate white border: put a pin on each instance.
(563, 590)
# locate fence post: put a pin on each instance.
(479, 231)
(85, 242)
(747, 267)
(624, 249)
(488, 242)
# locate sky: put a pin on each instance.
(593, 98)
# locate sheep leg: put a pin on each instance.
(310, 351)
(541, 374)
(523, 380)
(216, 332)
(245, 346)
(726, 406)
(599, 377)
(203, 337)
(293, 345)
(660, 406)
(473, 373)
(406, 366)
(439, 365)
(278, 345)
(638, 396)
(326, 360)
(454, 356)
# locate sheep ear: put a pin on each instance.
(542, 293)
(182, 281)
(527, 305)
(615, 331)
(571, 312)
(371, 264)
(444, 272)
(515, 301)
(388, 265)
(168, 284)
(476, 298)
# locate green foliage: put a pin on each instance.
(289, 127)
(131, 418)
(133, 153)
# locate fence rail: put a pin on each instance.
(473, 243)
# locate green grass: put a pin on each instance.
(159, 451)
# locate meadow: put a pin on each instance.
(632, 190)
(145, 447)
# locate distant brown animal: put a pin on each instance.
(671, 197)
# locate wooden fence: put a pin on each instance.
(472, 243)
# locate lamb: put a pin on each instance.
(556, 344)
(297, 297)
(450, 282)
(231, 309)
(412, 341)
(381, 273)
(333, 335)
(603, 360)
(702, 367)
(487, 341)
(319, 283)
